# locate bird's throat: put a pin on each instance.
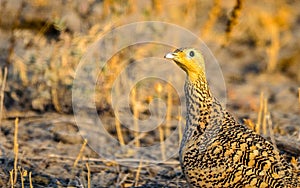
(199, 101)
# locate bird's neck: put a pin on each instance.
(204, 113)
(201, 105)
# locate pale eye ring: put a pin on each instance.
(192, 53)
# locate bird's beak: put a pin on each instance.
(170, 55)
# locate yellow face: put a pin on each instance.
(190, 60)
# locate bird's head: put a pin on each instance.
(190, 60)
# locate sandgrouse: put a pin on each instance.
(216, 150)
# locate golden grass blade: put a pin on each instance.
(3, 83)
(179, 125)
(270, 128)
(123, 180)
(55, 100)
(79, 156)
(157, 6)
(233, 20)
(106, 8)
(132, 6)
(22, 69)
(21, 175)
(137, 176)
(249, 123)
(158, 88)
(11, 178)
(265, 111)
(119, 132)
(274, 48)
(88, 175)
(299, 95)
(162, 143)
(213, 15)
(260, 113)
(30, 180)
(16, 150)
(169, 110)
(136, 116)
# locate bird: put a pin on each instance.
(216, 150)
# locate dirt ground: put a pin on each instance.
(256, 46)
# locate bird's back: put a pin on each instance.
(224, 153)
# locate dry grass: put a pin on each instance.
(119, 132)
(58, 63)
(250, 124)
(299, 96)
(265, 115)
(30, 180)
(270, 129)
(169, 110)
(264, 122)
(179, 126)
(136, 116)
(23, 173)
(88, 175)
(16, 151)
(260, 114)
(48, 69)
(18, 169)
(233, 20)
(157, 6)
(274, 48)
(159, 89)
(213, 16)
(11, 179)
(3, 84)
(80, 154)
(137, 175)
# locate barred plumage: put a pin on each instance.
(217, 151)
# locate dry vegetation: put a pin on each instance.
(257, 44)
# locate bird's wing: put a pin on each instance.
(256, 156)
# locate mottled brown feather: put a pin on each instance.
(217, 151)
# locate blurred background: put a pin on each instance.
(256, 43)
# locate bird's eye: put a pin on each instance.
(192, 53)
